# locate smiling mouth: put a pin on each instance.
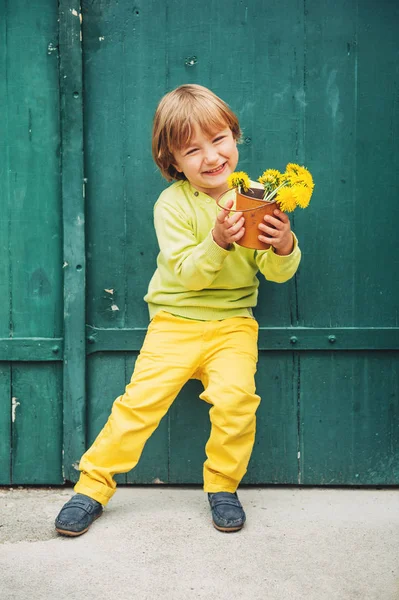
(215, 171)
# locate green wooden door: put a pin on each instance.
(314, 83)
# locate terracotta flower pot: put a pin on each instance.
(252, 206)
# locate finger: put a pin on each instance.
(223, 216)
(273, 221)
(234, 219)
(270, 231)
(266, 240)
(235, 228)
(224, 213)
(239, 235)
(281, 216)
(236, 236)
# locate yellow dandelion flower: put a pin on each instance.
(239, 179)
(302, 195)
(292, 167)
(298, 174)
(270, 179)
(286, 199)
(288, 178)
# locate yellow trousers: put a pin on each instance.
(223, 355)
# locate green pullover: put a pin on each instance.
(196, 278)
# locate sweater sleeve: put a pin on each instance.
(278, 268)
(194, 264)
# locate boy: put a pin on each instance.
(200, 302)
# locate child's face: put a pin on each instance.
(208, 161)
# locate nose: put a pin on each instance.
(211, 155)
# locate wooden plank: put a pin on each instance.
(108, 375)
(154, 462)
(105, 381)
(349, 415)
(270, 338)
(351, 149)
(5, 293)
(37, 424)
(120, 195)
(275, 455)
(71, 90)
(33, 140)
(5, 424)
(326, 278)
(377, 172)
(189, 432)
(348, 401)
(31, 349)
(274, 459)
(5, 305)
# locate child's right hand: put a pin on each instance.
(228, 229)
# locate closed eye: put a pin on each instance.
(219, 138)
(191, 151)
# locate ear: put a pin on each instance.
(176, 166)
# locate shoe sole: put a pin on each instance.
(227, 529)
(76, 533)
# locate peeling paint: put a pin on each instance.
(75, 465)
(109, 291)
(74, 12)
(65, 265)
(51, 48)
(101, 38)
(14, 404)
(114, 307)
(157, 480)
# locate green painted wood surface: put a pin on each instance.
(30, 239)
(107, 377)
(37, 424)
(348, 402)
(5, 424)
(349, 430)
(312, 82)
(29, 348)
(74, 259)
(274, 459)
(348, 280)
(270, 338)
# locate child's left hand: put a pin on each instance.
(277, 232)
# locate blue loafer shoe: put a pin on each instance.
(77, 515)
(227, 512)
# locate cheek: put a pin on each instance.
(234, 152)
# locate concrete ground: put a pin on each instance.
(157, 542)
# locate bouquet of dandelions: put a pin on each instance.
(290, 189)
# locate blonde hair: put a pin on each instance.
(177, 113)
